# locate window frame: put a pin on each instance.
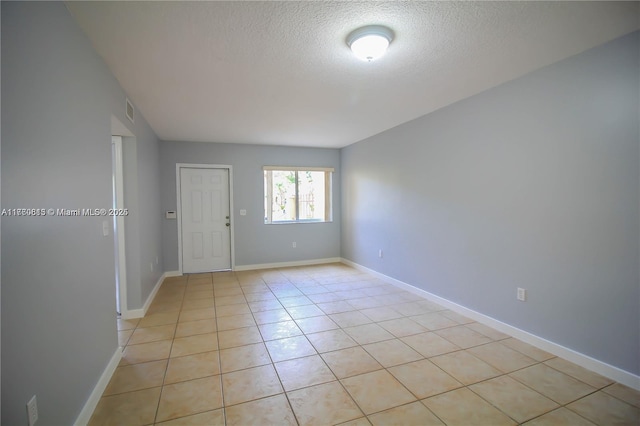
(268, 193)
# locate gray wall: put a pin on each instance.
(141, 157)
(149, 208)
(58, 294)
(255, 242)
(531, 184)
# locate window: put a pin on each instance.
(297, 194)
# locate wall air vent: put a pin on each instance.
(129, 111)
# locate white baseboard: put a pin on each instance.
(96, 394)
(94, 398)
(602, 368)
(139, 313)
(288, 264)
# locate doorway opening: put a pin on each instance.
(117, 180)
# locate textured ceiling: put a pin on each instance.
(280, 73)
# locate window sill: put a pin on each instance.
(296, 222)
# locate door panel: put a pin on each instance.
(196, 206)
(206, 237)
(197, 244)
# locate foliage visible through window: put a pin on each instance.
(297, 195)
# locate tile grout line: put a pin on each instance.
(284, 391)
(291, 279)
(270, 358)
(186, 285)
(333, 372)
(215, 314)
(386, 369)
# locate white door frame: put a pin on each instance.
(179, 206)
(118, 231)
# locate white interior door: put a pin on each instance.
(205, 219)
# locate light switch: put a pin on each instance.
(105, 228)
(243, 212)
(170, 215)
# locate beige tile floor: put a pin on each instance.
(327, 344)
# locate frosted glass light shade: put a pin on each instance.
(370, 42)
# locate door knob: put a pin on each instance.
(228, 224)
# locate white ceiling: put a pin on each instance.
(280, 73)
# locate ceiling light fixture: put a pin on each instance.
(370, 42)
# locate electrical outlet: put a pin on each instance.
(522, 294)
(294, 244)
(380, 253)
(32, 411)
